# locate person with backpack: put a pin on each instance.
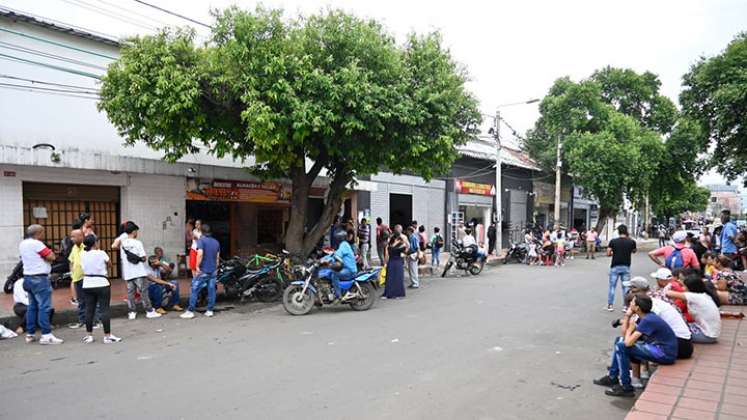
(437, 244)
(676, 257)
(132, 256)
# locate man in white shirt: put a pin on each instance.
(468, 239)
(134, 273)
(36, 259)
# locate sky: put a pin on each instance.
(513, 50)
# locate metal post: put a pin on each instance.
(558, 166)
(498, 187)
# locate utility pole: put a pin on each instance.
(558, 166)
(498, 187)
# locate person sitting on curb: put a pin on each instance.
(706, 325)
(651, 339)
(665, 281)
(677, 256)
(167, 267)
(669, 314)
(161, 290)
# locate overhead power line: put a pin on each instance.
(24, 79)
(114, 15)
(59, 44)
(66, 90)
(20, 48)
(127, 10)
(64, 25)
(173, 13)
(51, 66)
(33, 90)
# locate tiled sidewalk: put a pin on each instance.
(711, 385)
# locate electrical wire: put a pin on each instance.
(100, 10)
(71, 95)
(7, 76)
(67, 90)
(124, 9)
(59, 44)
(173, 13)
(19, 48)
(51, 66)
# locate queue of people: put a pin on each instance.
(696, 275)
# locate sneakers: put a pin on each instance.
(50, 339)
(132, 315)
(620, 391)
(636, 383)
(75, 325)
(187, 315)
(177, 308)
(209, 314)
(161, 311)
(152, 314)
(88, 339)
(606, 380)
(111, 338)
(30, 338)
(610, 308)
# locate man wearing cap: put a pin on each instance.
(666, 281)
(677, 256)
(669, 314)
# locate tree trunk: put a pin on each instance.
(332, 206)
(602, 220)
(294, 235)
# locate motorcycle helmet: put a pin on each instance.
(340, 235)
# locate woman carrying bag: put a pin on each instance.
(96, 289)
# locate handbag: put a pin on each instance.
(132, 257)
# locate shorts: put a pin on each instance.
(192, 259)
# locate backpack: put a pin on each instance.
(675, 260)
(439, 241)
(132, 257)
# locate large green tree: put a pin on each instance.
(326, 95)
(715, 95)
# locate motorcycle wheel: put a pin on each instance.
(447, 268)
(476, 268)
(271, 292)
(296, 303)
(369, 298)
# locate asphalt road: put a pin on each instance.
(514, 342)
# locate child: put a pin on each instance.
(533, 257)
(560, 251)
(708, 262)
(437, 242)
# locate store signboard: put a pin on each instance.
(469, 187)
(238, 191)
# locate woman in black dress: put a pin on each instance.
(395, 266)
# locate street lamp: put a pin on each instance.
(498, 188)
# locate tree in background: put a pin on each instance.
(329, 94)
(715, 96)
(611, 126)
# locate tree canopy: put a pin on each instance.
(328, 94)
(715, 96)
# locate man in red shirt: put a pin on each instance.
(677, 256)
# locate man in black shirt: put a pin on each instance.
(620, 249)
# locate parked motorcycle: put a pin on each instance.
(59, 275)
(265, 283)
(316, 289)
(464, 258)
(518, 252)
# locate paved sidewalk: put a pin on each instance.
(711, 385)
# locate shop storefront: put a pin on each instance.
(246, 217)
(475, 204)
(544, 203)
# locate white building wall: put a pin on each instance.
(11, 222)
(380, 203)
(157, 203)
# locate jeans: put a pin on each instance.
(81, 298)
(157, 292)
(336, 276)
(141, 285)
(198, 283)
(436, 257)
(380, 247)
(97, 300)
(412, 271)
(638, 352)
(698, 336)
(618, 272)
(40, 303)
(21, 310)
(364, 255)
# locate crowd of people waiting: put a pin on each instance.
(696, 275)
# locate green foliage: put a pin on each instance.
(611, 126)
(715, 96)
(331, 88)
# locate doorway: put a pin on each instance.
(216, 214)
(400, 209)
